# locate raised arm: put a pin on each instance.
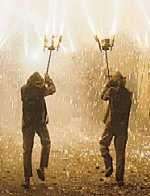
(49, 88)
(105, 94)
(107, 91)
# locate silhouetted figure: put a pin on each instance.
(35, 120)
(116, 125)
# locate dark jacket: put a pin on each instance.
(120, 99)
(34, 105)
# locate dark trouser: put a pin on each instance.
(120, 142)
(28, 141)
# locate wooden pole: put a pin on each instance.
(107, 64)
(49, 60)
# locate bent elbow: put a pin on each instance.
(104, 98)
(53, 90)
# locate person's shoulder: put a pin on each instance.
(39, 90)
(23, 91)
(112, 90)
(115, 90)
(128, 92)
(23, 87)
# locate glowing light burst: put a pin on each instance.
(55, 21)
(100, 28)
(116, 17)
(72, 46)
(54, 12)
(143, 42)
(141, 6)
(112, 30)
(31, 27)
(89, 18)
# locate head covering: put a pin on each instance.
(35, 80)
(118, 76)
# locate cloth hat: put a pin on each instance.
(35, 80)
(118, 76)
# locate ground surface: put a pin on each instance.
(76, 170)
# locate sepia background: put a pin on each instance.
(79, 72)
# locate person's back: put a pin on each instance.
(116, 121)
(34, 106)
(34, 120)
(120, 104)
